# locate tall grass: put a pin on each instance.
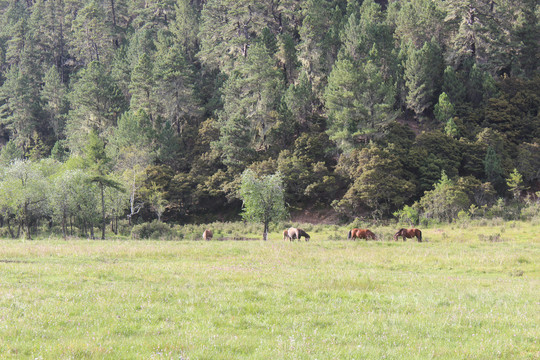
(455, 297)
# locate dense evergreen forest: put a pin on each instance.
(154, 109)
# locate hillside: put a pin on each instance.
(362, 107)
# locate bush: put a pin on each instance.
(358, 223)
(531, 210)
(154, 230)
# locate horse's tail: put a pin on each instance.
(349, 235)
(419, 235)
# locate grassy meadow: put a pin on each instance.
(469, 292)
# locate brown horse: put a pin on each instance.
(296, 233)
(286, 235)
(207, 234)
(361, 234)
(409, 233)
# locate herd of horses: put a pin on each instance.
(296, 233)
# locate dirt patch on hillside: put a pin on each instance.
(316, 216)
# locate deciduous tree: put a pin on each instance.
(263, 199)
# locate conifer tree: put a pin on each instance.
(142, 88)
(20, 106)
(444, 110)
(185, 27)
(493, 169)
(54, 96)
(96, 103)
(319, 40)
(91, 39)
(228, 29)
(175, 85)
(251, 96)
(423, 71)
(99, 168)
(453, 86)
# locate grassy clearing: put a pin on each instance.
(458, 296)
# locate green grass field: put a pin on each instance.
(467, 293)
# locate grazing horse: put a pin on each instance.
(207, 234)
(361, 234)
(286, 235)
(295, 233)
(409, 233)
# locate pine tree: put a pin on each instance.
(423, 71)
(453, 86)
(346, 114)
(418, 22)
(16, 32)
(96, 103)
(251, 96)
(175, 86)
(91, 39)
(526, 33)
(444, 110)
(287, 56)
(99, 168)
(185, 26)
(493, 169)
(480, 31)
(299, 99)
(366, 28)
(228, 29)
(54, 97)
(357, 99)
(121, 70)
(142, 87)
(20, 107)
(319, 40)
(515, 184)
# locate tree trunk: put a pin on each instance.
(265, 232)
(26, 223)
(64, 230)
(10, 229)
(102, 212)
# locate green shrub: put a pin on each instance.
(154, 230)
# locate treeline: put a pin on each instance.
(365, 106)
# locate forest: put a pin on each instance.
(126, 111)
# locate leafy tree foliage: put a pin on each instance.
(378, 182)
(445, 201)
(24, 192)
(263, 199)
